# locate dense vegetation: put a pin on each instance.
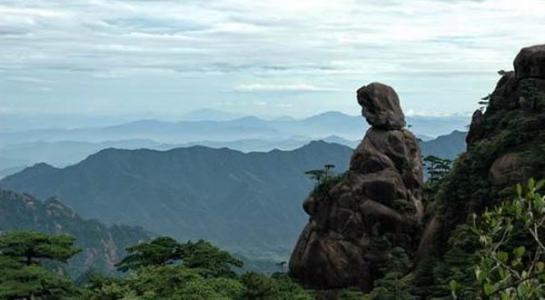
(32, 267)
(498, 255)
(101, 246)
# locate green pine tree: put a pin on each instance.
(23, 276)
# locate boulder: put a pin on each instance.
(380, 106)
(530, 62)
(507, 169)
(329, 261)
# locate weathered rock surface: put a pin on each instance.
(379, 198)
(380, 106)
(475, 129)
(507, 169)
(530, 62)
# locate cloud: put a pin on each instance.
(270, 46)
(272, 36)
(290, 88)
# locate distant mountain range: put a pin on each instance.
(191, 131)
(16, 157)
(445, 146)
(63, 153)
(102, 246)
(61, 147)
(248, 203)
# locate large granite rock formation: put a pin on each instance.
(506, 146)
(357, 219)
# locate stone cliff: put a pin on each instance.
(374, 208)
(506, 144)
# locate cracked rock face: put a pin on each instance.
(379, 198)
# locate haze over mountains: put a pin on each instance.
(65, 146)
(249, 127)
(198, 178)
(246, 202)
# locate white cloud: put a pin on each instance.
(263, 87)
(316, 46)
(418, 35)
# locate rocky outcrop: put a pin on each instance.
(376, 206)
(530, 62)
(506, 146)
(476, 129)
(514, 118)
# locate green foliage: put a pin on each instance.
(324, 179)
(20, 211)
(208, 259)
(392, 287)
(467, 188)
(99, 287)
(32, 247)
(531, 93)
(437, 168)
(22, 254)
(166, 269)
(160, 269)
(179, 282)
(160, 251)
(396, 282)
(453, 272)
(258, 286)
(512, 254)
(320, 175)
(212, 261)
(279, 287)
(24, 281)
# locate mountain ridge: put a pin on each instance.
(191, 193)
(185, 131)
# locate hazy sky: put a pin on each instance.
(292, 57)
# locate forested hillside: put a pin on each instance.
(248, 203)
(101, 246)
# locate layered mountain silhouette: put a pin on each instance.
(197, 130)
(445, 146)
(247, 202)
(15, 157)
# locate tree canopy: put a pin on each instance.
(23, 276)
(32, 247)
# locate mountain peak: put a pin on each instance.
(330, 114)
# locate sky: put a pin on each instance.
(163, 59)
